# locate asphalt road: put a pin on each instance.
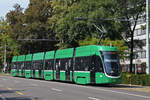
(15, 88)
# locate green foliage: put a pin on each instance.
(12, 46)
(69, 29)
(139, 79)
(88, 41)
(32, 24)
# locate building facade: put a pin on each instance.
(139, 59)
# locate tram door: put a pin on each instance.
(93, 69)
(18, 64)
(40, 71)
(33, 69)
(58, 64)
(22, 69)
(67, 70)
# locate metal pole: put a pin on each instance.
(147, 39)
(4, 57)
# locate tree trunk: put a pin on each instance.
(131, 53)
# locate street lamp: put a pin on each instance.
(147, 39)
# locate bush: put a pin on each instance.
(139, 79)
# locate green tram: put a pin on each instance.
(82, 65)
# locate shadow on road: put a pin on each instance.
(115, 86)
(8, 91)
(19, 98)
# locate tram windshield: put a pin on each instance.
(111, 62)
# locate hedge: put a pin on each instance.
(139, 79)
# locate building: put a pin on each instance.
(139, 59)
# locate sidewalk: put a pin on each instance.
(5, 74)
(136, 88)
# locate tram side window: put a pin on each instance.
(17, 64)
(13, 66)
(41, 64)
(82, 63)
(96, 64)
(28, 65)
(67, 64)
(58, 64)
(49, 64)
(20, 65)
(64, 64)
(38, 65)
(70, 62)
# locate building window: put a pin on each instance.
(143, 31)
(143, 54)
(144, 42)
(139, 32)
(139, 54)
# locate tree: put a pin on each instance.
(130, 11)
(70, 30)
(32, 24)
(12, 46)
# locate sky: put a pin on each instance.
(7, 5)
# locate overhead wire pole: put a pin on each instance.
(5, 52)
(147, 39)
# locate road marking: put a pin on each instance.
(34, 85)
(19, 93)
(16, 81)
(9, 88)
(2, 97)
(56, 89)
(3, 79)
(93, 98)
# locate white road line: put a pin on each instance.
(93, 98)
(2, 97)
(56, 89)
(4, 79)
(16, 81)
(34, 85)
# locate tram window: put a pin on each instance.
(82, 63)
(62, 64)
(49, 64)
(17, 65)
(28, 65)
(38, 65)
(58, 64)
(20, 65)
(96, 63)
(13, 66)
